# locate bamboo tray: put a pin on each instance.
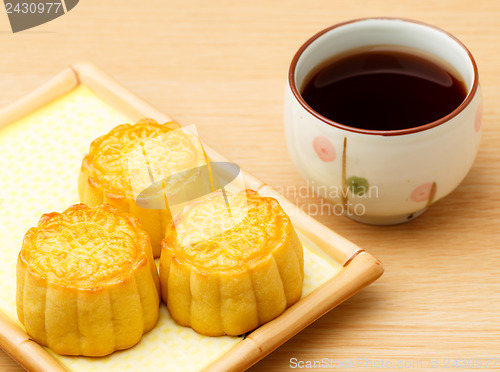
(335, 268)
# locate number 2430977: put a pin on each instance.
(25, 8)
(480, 363)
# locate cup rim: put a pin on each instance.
(397, 132)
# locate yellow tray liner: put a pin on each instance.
(40, 157)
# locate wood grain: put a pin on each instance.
(222, 65)
(19, 345)
(359, 267)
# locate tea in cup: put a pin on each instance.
(383, 116)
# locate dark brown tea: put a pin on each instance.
(383, 90)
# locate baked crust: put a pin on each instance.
(121, 163)
(86, 281)
(226, 269)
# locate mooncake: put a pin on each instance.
(230, 263)
(129, 159)
(87, 283)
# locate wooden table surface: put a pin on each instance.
(222, 66)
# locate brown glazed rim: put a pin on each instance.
(460, 108)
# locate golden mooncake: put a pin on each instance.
(124, 162)
(87, 283)
(230, 263)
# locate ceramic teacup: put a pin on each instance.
(382, 177)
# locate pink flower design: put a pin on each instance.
(324, 149)
(422, 193)
(479, 117)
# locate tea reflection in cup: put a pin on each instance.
(375, 174)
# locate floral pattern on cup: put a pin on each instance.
(479, 118)
(424, 192)
(324, 149)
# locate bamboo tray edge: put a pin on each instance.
(359, 267)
